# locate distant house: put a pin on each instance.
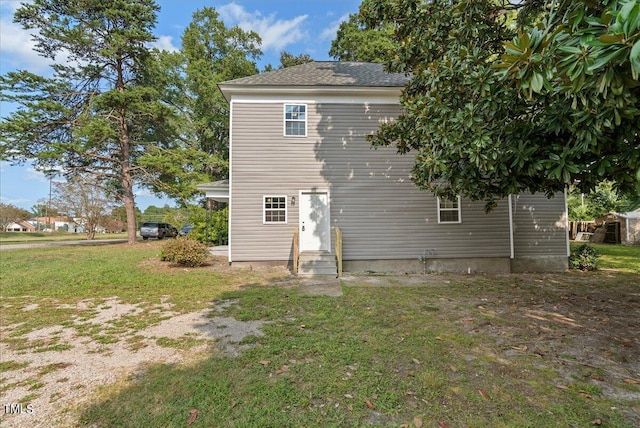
(621, 227)
(20, 226)
(303, 178)
(60, 223)
(630, 228)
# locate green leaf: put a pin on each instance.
(602, 60)
(511, 48)
(634, 57)
(570, 49)
(626, 9)
(537, 82)
(611, 38)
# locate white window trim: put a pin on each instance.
(459, 210)
(284, 120)
(264, 210)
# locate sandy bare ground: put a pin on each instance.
(64, 379)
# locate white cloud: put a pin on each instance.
(164, 43)
(276, 34)
(16, 46)
(18, 202)
(330, 32)
(142, 192)
(31, 174)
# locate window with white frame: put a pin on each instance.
(449, 210)
(274, 209)
(295, 120)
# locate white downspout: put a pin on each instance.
(230, 179)
(511, 244)
(566, 221)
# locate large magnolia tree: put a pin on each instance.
(496, 107)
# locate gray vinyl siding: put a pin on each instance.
(372, 199)
(539, 225)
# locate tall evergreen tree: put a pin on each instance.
(287, 59)
(215, 53)
(95, 115)
(355, 41)
(211, 53)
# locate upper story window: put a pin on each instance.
(274, 209)
(295, 120)
(449, 210)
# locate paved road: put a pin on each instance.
(61, 244)
(221, 250)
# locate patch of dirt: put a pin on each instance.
(220, 264)
(586, 332)
(60, 379)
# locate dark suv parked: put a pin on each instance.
(157, 230)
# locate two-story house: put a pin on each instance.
(300, 168)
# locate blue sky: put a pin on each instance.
(295, 26)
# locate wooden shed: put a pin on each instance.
(620, 228)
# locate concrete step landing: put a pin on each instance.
(311, 263)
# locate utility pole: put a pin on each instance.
(49, 205)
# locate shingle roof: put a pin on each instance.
(327, 73)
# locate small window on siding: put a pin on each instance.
(295, 120)
(274, 209)
(449, 210)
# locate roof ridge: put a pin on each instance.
(324, 73)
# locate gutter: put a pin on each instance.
(511, 244)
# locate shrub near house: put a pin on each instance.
(584, 257)
(184, 252)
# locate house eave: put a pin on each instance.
(217, 190)
(243, 92)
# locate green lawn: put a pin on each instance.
(52, 276)
(621, 258)
(446, 350)
(34, 237)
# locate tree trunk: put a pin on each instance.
(91, 230)
(128, 199)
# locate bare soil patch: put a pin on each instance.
(64, 376)
(587, 333)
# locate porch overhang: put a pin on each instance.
(217, 190)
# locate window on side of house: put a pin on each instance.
(449, 210)
(274, 209)
(295, 120)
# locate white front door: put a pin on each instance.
(315, 230)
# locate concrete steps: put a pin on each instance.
(312, 263)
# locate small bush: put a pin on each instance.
(184, 252)
(584, 257)
(211, 227)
